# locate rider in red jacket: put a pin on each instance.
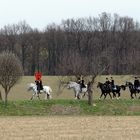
(38, 81)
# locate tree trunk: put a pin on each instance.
(90, 90)
(90, 93)
(90, 97)
(0, 96)
(6, 95)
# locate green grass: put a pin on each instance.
(120, 107)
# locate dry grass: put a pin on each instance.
(70, 128)
(19, 92)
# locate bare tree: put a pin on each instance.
(0, 96)
(10, 71)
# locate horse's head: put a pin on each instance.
(30, 86)
(72, 85)
(99, 84)
(128, 84)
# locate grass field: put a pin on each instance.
(122, 107)
(19, 92)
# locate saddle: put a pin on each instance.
(137, 88)
(83, 89)
(115, 88)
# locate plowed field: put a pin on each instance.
(70, 128)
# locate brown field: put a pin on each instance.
(70, 128)
(19, 92)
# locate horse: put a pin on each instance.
(46, 90)
(77, 89)
(132, 89)
(105, 90)
(116, 90)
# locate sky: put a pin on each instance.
(40, 13)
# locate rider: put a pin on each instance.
(39, 85)
(136, 83)
(82, 84)
(112, 83)
(79, 81)
(38, 81)
(107, 83)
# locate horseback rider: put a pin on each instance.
(136, 83)
(38, 81)
(79, 81)
(39, 85)
(107, 83)
(82, 84)
(112, 83)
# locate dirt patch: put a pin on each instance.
(133, 109)
(64, 110)
(70, 128)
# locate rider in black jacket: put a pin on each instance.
(112, 83)
(136, 83)
(82, 84)
(39, 85)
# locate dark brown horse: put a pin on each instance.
(116, 90)
(105, 90)
(132, 89)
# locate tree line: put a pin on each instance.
(76, 46)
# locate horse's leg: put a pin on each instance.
(135, 95)
(45, 96)
(84, 95)
(105, 94)
(38, 96)
(110, 95)
(32, 96)
(114, 94)
(119, 95)
(79, 95)
(76, 95)
(101, 95)
(139, 93)
(48, 96)
(132, 95)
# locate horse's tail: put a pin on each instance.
(123, 87)
(28, 87)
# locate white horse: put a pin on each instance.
(46, 89)
(77, 89)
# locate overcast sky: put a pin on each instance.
(40, 13)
